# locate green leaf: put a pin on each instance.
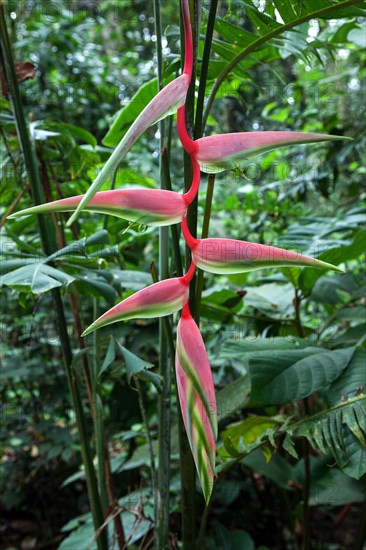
(351, 381)
(331, 486)
(233, 397)
(137, 367)
(243, 349)
(248, 432)
(78, 248)
(234, 34)
(278, 469)
(279, 377)
(335, 255)
(109, 356)
(82, 529)
(81, 133)
(340, 430)
(232, 540)
(91, 283)
(131, 280)
(126, 116)
(36, 278)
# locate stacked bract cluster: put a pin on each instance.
(161, 207)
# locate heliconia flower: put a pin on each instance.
(197, 398)
(230, 256)
(155, 207)
(166, 102)
(223, 152)
(157, 300)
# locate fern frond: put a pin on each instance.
(335, 430)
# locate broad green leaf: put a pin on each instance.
(36, 278)
(331, 486)
(280, 378)
(351, 381)
(248, 432)
(81, 133)
(252, 346)
(92, 283)
(125, 117)
(279, 470)
(268, 28)
(231, 540)
(340, 430)
(335, 255)
(234, 34)
(78, 248)
(131, 280)
(82, 530)
(233, 397)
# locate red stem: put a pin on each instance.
(186, 312)
(188, 57)
(189, 145)
(188, 237)
(196, 179)
(189, 275)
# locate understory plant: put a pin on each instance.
(158, 207)
(162, 207)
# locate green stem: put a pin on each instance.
(46, 233)
(198, 128)
(173, 228)
(201, 533)
(306, 524)
(205, 228)
(164, 399)
(113, 183)
(100, 444)
(198, 131)
(148, 433)
(187, 467)
(306, 535)
(91, 481)
(262, 40)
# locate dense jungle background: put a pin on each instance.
(286, 347)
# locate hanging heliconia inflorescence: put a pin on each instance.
(156, 207)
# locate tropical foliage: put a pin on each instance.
(285, 347)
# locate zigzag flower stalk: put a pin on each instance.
(160, 207)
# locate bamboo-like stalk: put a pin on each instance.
(306, 524)
(46, 233)
(198, 126)
(205, 228)
(187, 467)
(98, 413)
(198, 132)
(164, 399)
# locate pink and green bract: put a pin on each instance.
(197, 398)
(231, 256)
(159, 207)
(156, 207)
(157, 300)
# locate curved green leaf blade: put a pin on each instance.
(279, 378)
